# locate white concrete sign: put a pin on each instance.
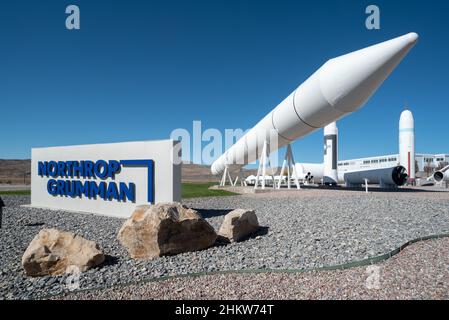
(109, 179)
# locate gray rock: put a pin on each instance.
(53, 251)
(165, 229)
(239, 224)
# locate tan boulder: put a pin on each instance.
(239, 224)
(52, 251)
(165, 229)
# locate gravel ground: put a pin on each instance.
(419, 272)
(302, 230)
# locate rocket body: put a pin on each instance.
(313, 171)
(407, 143)
(442, 175)
(340, 87)
(384, 177)
(330, 154)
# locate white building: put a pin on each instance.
(423, 160)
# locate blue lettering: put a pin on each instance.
(69, 188)
(113, 168)
(96, 190)
(127, 192)
(101, 169)
(70, 168)
(62, 169)
(81, 188)
(99, 165)
(52, 169)
(93, 190)
(60, 187)
(77, 169)
(88, 167)
(42, 168)
(51, 187)
(102, 187)
(112, 191)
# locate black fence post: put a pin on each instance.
(2, 204)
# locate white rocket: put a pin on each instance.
(442, 175)
(326, 172)
(330, 173)
(407, 143)
(384, 177)
(310, 171)
(340, 87)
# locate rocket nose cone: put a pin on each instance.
(406, 120)
(348, 81)
(406, 114)
(412, 37)
(331, 129)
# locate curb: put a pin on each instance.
(349, 265)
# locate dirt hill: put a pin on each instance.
(14, 171)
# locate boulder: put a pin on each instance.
(165, 229)
(52, 251)
(239, 224)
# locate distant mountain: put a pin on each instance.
(13, 171)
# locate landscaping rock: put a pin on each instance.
(165, 229)
(238, 224)
(52, 251)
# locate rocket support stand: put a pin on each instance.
(240, 176)
(226, 175)
(289, 163)
(264, 162)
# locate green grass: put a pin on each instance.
(16, 193)
(195, 190)
(189, 190)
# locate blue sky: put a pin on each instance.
(139, 69)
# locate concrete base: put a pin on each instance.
(112, 215)
(249, 189)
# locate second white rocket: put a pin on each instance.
(330, 174)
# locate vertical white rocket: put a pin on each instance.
(330, 174)
(407, 143)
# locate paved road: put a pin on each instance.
(14, 187)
